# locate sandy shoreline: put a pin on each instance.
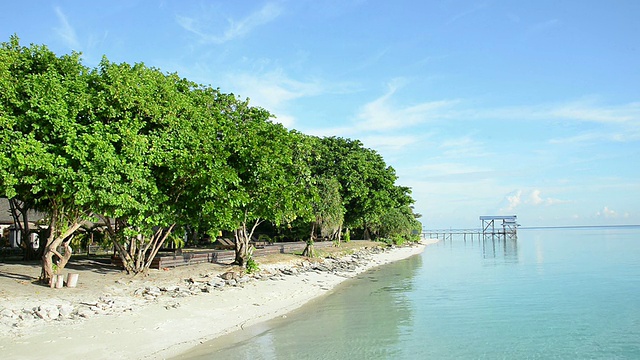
(161, 319)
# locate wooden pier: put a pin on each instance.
(448, 234)
(507, 229)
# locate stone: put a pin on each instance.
(65, 310)
(85, 313)
(27, 315)
(242, 280)
(8, 313)
(153, 290)
(48, 312)
(229, 275)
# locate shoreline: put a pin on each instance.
(174, 320)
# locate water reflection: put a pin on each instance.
(498, 247)
(363, 318)
(491, 247)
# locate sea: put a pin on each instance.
(552, 293)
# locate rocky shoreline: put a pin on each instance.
(16, 320)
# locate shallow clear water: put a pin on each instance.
(552, 294)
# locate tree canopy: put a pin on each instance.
(145, 153)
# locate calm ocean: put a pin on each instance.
(552, 294)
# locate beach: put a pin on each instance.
(112, 315)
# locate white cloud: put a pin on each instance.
(589, 111)
(519, 198)
(390, 142)
(466, 13)
(234, 29)
(382, 114)
(449, 168)
(544, 26)
(514, 200)
(607, 213)
(536, 199)
(66, 31)
(584, 110)
(463, 147)
(273, 91)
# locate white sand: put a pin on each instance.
(168, 326)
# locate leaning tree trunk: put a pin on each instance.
(309, 250)
(54, 240)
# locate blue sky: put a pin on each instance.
(483, 107)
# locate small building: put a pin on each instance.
(507, 226)
(9, 231)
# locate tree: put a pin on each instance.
(399, 225)
(328, 212)
(367, 184)
(43, 104)
(157, 159)
(274, 180)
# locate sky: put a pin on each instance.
(527, 108)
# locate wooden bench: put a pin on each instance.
(224, 243)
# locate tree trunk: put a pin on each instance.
(54, 240)
(242, 245)
(242, 242)
(308, 250)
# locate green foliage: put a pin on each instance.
(265, 237)
(177, 242)
(328, 208)
(149, 152)
(399, 225)
(347, 235)
(252, 266)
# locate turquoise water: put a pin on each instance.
(552, 294)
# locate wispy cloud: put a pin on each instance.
(588, 110)
(466, 13)
(66, 31)
(582, 110)
(274, 90)
(463, 147)
(382, 114)
(235, 28)
(389, 142)
(544, 26)
(452, 171)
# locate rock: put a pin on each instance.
(153, 291)
(48, 312)
(27, 315)
(65, 310)
(231, 282)
(172, 306)
(85, 313)
(139, 292)
(215, 282)
(6, 313)
(230, 275)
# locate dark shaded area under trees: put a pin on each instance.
(151, 156)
